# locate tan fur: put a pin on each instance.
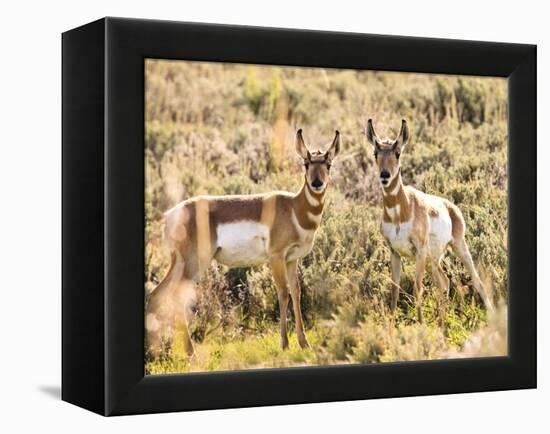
(204, 241)
(418, 213)
(458, 221)
(191, 235)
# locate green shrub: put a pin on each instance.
(229, 129)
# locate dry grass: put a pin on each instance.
(226, 129)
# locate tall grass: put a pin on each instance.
(229, 129)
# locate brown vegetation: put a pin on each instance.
(228, 129)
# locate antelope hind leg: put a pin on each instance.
(418, 285)
(463, 253)
(442, 283)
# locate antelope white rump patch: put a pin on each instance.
(441, 225)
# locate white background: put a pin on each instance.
(30, 213)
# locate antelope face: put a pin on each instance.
(387, 152)
(317, 163)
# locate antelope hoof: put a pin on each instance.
(189, 350)
(303, 342)
(284, 343)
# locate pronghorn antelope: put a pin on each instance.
(416, 224)
(240, 231)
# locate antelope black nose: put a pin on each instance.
(384, 174)
(317, 183)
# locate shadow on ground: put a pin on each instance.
(51, 391)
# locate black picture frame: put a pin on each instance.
(103, 216)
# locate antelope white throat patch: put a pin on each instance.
(313, 201)
(394, 191)
(314, 218)
(305, 243)
(394, 213)
(242, 244)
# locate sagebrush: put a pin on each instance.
(229, 129)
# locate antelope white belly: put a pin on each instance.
(399, 237)
(242, 244)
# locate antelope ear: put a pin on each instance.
(403, 137)
(301, 148)
(371, 135)
(334, 149)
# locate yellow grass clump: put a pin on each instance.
(229, 129)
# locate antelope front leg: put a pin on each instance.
(396, 276)
(418, 286)
(279, 270)
(295, 293)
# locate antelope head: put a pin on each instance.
(387, 151)
(317, 163)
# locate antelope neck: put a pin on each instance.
(396, 202)
(308, 206)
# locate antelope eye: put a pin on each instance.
(397, 155)
(376, 155)
(328, 166)
(306, 164)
